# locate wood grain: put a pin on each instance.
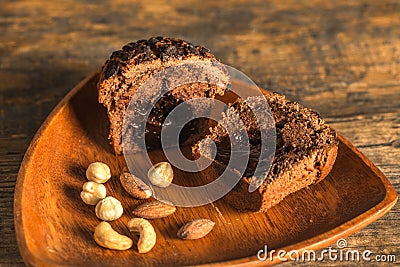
(50, 216)
(341, 58)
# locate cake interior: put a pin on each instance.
(192, 131)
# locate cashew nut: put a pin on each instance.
(106, 237)
(98, 172)
(109, 209)
(161, 174)
(147, 238)
(93, 192)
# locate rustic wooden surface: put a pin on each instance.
(341, 58)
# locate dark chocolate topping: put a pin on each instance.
(156, 47)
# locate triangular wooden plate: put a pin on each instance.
(54, 227)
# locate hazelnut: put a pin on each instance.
(161, 174)
(109, 209)
(98, 172)
(93, 192)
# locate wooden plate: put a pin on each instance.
(54, 227)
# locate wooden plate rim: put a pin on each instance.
(317, 242)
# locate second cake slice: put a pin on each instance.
(306, 148)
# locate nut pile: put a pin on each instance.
(109, 208)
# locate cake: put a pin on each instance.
(129, 68)
(306, 148)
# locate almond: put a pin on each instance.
(154, 210)
(196, 229)
(134, 186)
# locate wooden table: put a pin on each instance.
(341, 58)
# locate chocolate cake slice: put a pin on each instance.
(137, 62)
(306, 148)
